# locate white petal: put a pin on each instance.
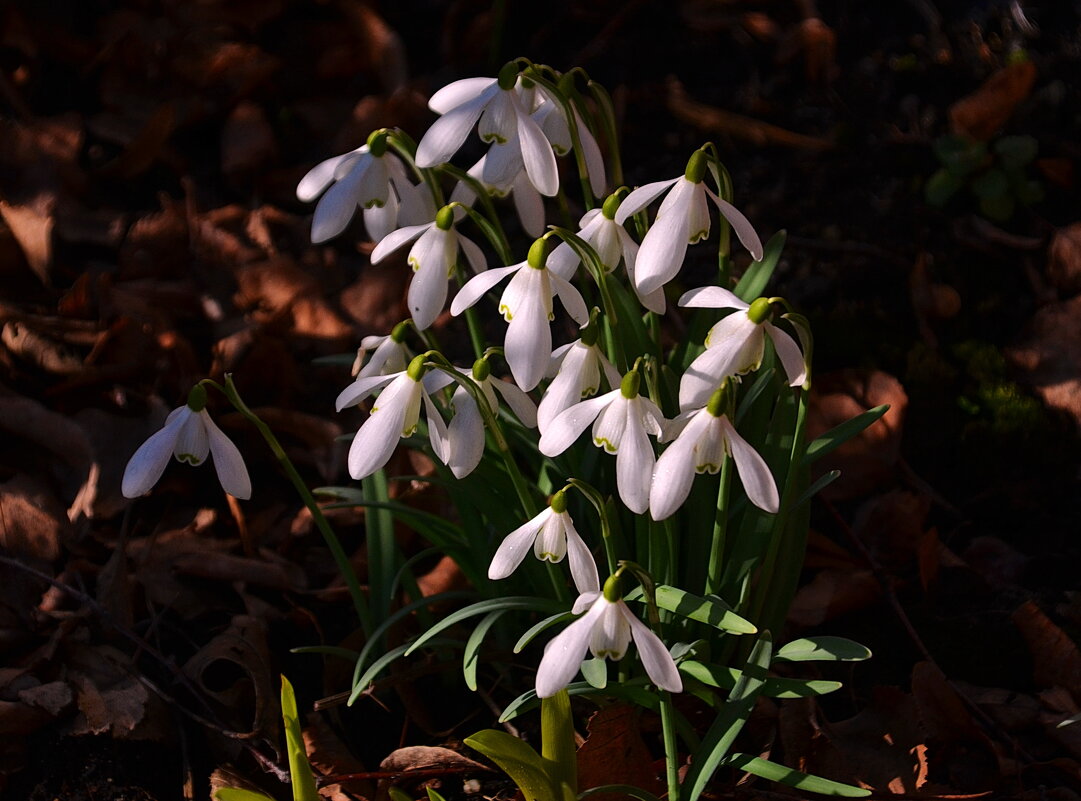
(498, 123)
(658, 662)
(661, 254)
(790, 354)
(593, 158)
(529, 342)
(571, 298)
(634, 467)
(319, 177)
(428, 290)
(502, 165)
(375, 183)
(473, 254)
(753, 472)
(516, 545)
(416, 204)
(448, 133)
(362, 388)
(528, 204)
(563, 260)
(521, 404)
(674, 473)
(337, 207)
(537, 155)
(375, 441)
(697, 214)
(583, 568)
(381, 220)
(741, 225)
(437, 430)
(564, 654)
(640, 198)
(228, 463)
(611, 423)
(611, 633)
(458, 92)
(712, 297)
(148, 462)
(706, 372)
(584, 602)
(395, 239)
(465, 435)
(476, 286)
(192, 444)
(565, 389)
(569, 424)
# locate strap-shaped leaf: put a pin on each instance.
(728, 724)
(823, 649)
(482, 607)
(633, 691)
(726, 678)
(839, 435)
(238, 794)
(361, 683)
(823, 481)
(526, 768)
(470, 658)
(793, 778)
(754, 280)
(537, 628)
(710, 610)
(300, 770)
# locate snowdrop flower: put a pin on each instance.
(527, 305)
(553, 536)
(189, 435)
(735, 345)
(701, 446)
(606, 630)
(553, 122)
(503, 117)
(578, 367)
(432, 258)
(612, 243)
(389, 353)
(465, 434)
(682, 219)
(502, 173)
(395, 415)
(366, 177)
(623, 420)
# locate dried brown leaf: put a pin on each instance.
(247, 141)
(1064, 259)
(614, 753)
(982, 113)
(32, 520)
(32, 228)
(1049, 357)
(426, 758)
(1056, 661)
(831, 593)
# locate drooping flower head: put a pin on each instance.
(552, 535)
(395, 415)
(432, 258)
(527, 304)
(577, 367)
(190, 435)
(606, 630)
(623, 420)
(705, 438)
(498, 109)
(735, 345)
(369, 178)
(682, 219)
(389, 353)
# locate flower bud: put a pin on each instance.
(628, 387)
(398, 332)
(696, 167)
(444, 218)
(377, 142)
(416, 368)
(481, 370)
(718, 400)
(197, 398)
(611, 590)
(759, 311)
(611, 205)
(508, 76)
(538, 254)
(559, 502)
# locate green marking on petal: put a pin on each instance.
(698, 236)
(414, 263)
(601, 442)
(189, 458)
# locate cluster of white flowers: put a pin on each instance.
(526, 128)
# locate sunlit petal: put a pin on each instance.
(640, 198)
(658, 662)
(516, 545)
(362, 388)
(228, 463)
(458, 92)
(567, 426)
(753, 472)
(564, 654)
(476, 286)
(789, 353)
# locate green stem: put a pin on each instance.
(671, 750)
(331, 539)
(715, 567)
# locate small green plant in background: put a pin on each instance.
(996, 175)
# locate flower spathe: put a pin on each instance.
(394, 415)
(682, 219)
(734, 346)
(189, 435)
(700, 448)
(527, 305)
(606, 630)
(552, 536)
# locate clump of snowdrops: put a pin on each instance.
(676, 524)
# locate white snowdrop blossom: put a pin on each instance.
(190, 435)
(465, 433)
(735, 345)
(389, 354)
(606, 630)
(368, 178)
(432, 257)
(577, 367)
(502, 173)
(612, 243)
(553, 122)
(527, 305)
(707, 436)
(623, 420)
(682, 219)
(552, 535)
(497, 107)
(394, 415)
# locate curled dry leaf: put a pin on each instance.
(416, 758)
(32, 227)
(831, 593)
(329, 755)
(1056, 661)
(33, 519)
(614, 753)
(1049, 357)
(981, 114)
(278, 291)
(866, 461)
(376, 300)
